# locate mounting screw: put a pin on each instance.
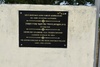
(64, 44)
(20, 12)
(21, 44)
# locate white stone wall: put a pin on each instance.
(81, 39)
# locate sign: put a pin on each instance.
(43, 29)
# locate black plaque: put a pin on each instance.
(43, 29)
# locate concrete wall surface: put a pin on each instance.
(80, 46)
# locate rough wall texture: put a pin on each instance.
(81, 39)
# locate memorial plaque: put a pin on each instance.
(43, 29)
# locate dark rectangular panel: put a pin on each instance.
(43, 29)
